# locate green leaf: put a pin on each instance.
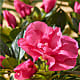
(36, 15)
(57, 18)
(14, 33)
(9, 9)
(26, 1)
(73, 72)
(4, 34)
(4, 38)
(35, 1)
(9, 63)
(17, 50)
(24, 25)
(73, 23)
(1, 2)
(76, 24)
(71, 3)
(4, 49)
(1, 16)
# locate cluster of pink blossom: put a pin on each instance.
(42, 40)
(25, 9)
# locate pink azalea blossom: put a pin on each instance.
(77, 7)
(22, 8)
(48, 5)
(41, 40)
(11, 20)
(1, 59)
(25, 70)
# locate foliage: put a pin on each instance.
(16, 55)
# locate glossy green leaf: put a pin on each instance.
(14, 33)
(18, 52)
(24, 25)
(9, 9)
(57, 18)
(4, 49)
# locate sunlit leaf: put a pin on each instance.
(17, 50)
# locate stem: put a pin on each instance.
(18, 57)
(44, 14)
(18, 61)
(9, 9)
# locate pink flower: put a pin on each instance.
(79, 27)
(22, 8)
(11, 20)
(1, 59)
(48, 5)
(25, 70)
(40, 40)
(77, 7)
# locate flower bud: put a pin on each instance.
(11, 20)
(25, 70)
(77, 7)
(48, 5)
(22, 8)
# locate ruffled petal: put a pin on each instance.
(67, 64)
(31, 50)
(55, 41)
(51, 60)
(69, 47)
(35, 31)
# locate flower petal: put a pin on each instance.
(35, 31)
(51, 60)
(31, 50)
(67, 64)
(69, 47)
